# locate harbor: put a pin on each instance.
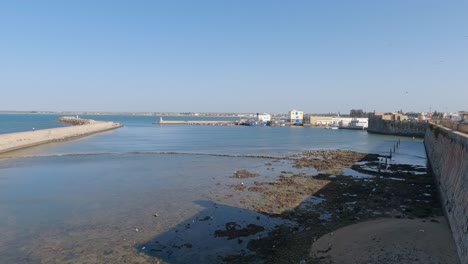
(246, 196)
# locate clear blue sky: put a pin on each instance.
(234, 56)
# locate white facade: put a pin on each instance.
(323, 122)
(263, 117)
(359, 123)
(346, 121)
(453, 116)
(296, 116)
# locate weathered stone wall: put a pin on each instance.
(394, 127)
(455, 126)
(447, 151)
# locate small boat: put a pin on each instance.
(255, 123)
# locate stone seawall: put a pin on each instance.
(447, 152)
(399, 128)
(456, 126)
(19, 140)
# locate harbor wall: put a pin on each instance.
(447, 151)
(456, 126)
(19, 140)
(408, 128)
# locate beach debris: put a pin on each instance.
(136, 230)
(156, 215)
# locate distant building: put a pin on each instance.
(464, 117)
(263, 118)
(296, 117)
(358, 123)
(461, 116)
(320, 120)
(351, 121)
(391, 116)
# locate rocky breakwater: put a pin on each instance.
(75, 120)
(80, 127)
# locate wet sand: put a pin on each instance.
(388, 241)
(19, 140)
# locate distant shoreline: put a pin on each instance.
(155, 114)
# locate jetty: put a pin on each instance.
(80, 128)
(196, 122)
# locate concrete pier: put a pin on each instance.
(196, 122)
(19, 140)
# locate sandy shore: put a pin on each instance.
(389, 241)
(19, 140)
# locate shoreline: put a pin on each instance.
(19, 140)
(336, 200)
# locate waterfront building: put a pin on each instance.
(263, 118)
(357, 123)
(320, 120)
(337, 121)
(296, 116)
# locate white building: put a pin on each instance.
(296, 117)
(453, 116)
(359, 123)
(263, 118)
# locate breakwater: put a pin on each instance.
(447, 151)
(408, 128)
(196, 122)
(19, 140)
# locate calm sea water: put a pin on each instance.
(94, 199)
